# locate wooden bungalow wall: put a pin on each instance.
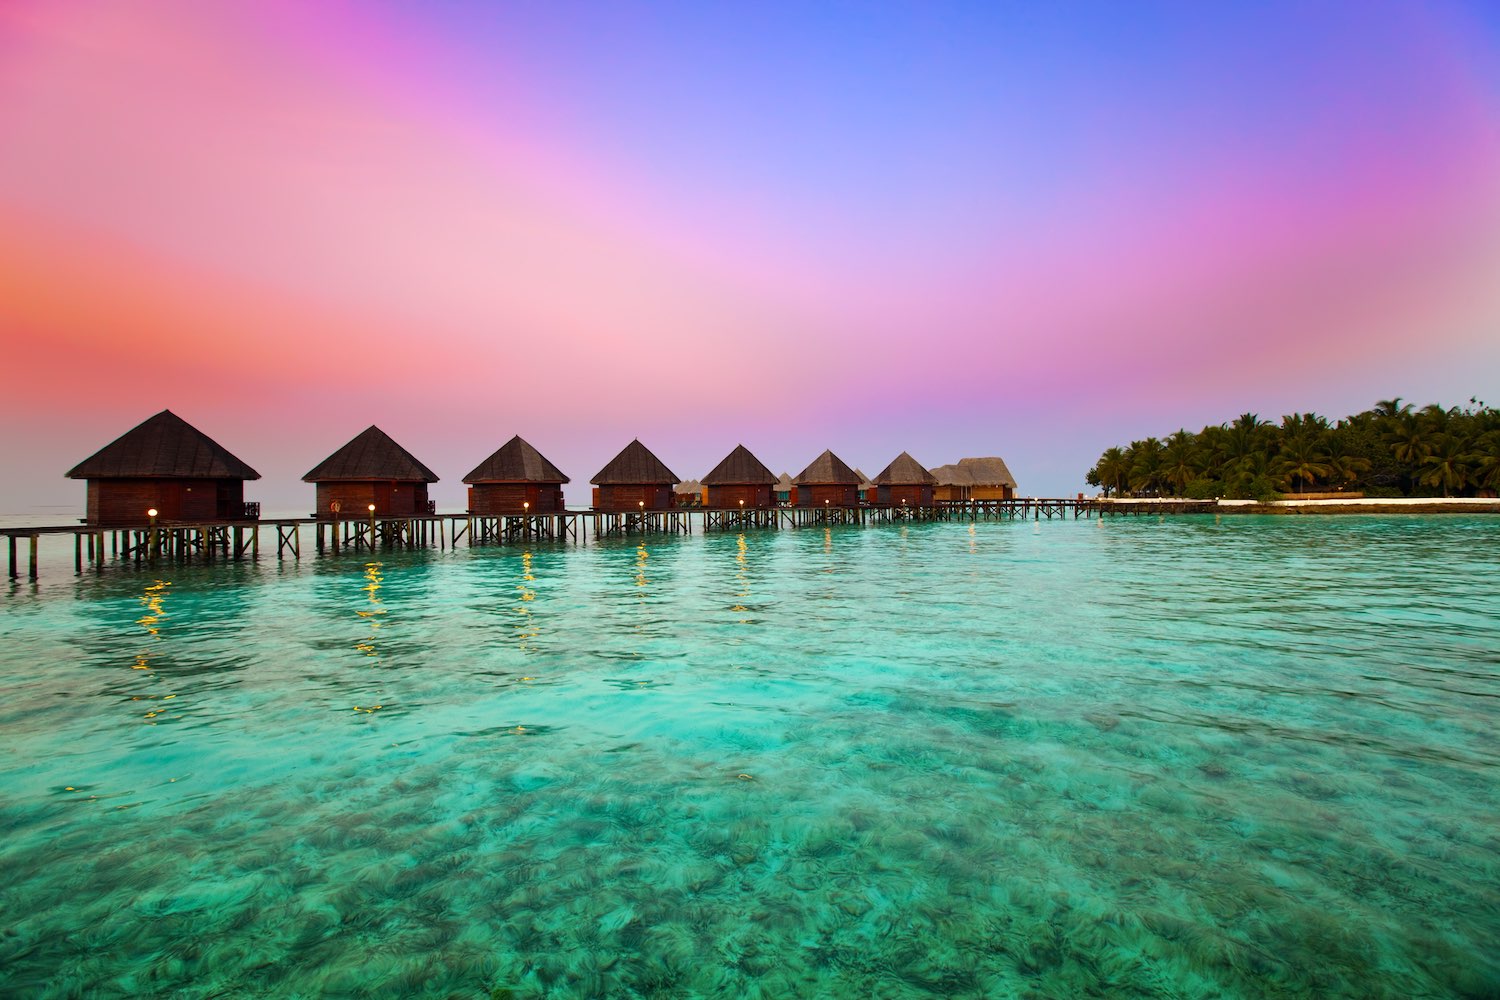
(628, 496)
(910, 494)
(510, 498)
(354, 499)
(823, 494)
(730, 496)
(124, 502)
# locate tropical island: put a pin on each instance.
(1389, 451)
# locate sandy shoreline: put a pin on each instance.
(1351, 505)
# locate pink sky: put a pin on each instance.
(286, 227)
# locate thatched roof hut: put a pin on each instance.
(372, 469)
(634, 479)
(906, 482)
(167, 465)
(827, 482)
(740, 480)
(516, 479)
(975, 479)
(992, 479)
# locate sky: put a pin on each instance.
(1019, 229)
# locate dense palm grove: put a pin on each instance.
(1391, 450)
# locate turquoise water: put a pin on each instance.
(1186, 758)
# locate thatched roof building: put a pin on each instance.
(167, 465)
(975, 479)
(906, 482)
(827, 482)
(740, 480)
(516, 479)
(992, 479)
(634, 479)
(371, 469)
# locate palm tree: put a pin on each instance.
(1303, 460)
(1145, 465)
(1447, 464)
(1487, 460)
(1408, 439)
(1391, 408)
(1112, 471)
(1179, 466)
(1344, 467)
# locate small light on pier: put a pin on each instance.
(152, 515)
(372, 508)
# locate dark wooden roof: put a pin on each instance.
(372, 456)
(740, 468)
(784, 482)
(162, 447)
(688, 487)
(634, 465)
(990, 471)
(905, 471)
(516, 462)
(827, 470)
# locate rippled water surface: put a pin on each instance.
(1179, 758)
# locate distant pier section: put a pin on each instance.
(238, 540)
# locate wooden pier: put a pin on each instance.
(234, 541)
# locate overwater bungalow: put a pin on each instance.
(166, 465)
(516, 479)
(992, 480)
(634, 479)
(905, 482)
(689, 493)
(866, 487)
(975, 479)
(741, 480)
(371, 469)
(953, 483)
(784, 488)
(826, 482)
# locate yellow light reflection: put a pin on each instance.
(827, 539)
(641, 555)
(526, 627)
(373, 580)
(151, 600)
(973, 541)
(742, 572)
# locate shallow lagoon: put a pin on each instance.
(1180, 758)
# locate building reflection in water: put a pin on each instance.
(372, 612)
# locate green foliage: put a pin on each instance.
(1390, 450)
(1204, 489)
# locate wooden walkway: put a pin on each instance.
(233, 541)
